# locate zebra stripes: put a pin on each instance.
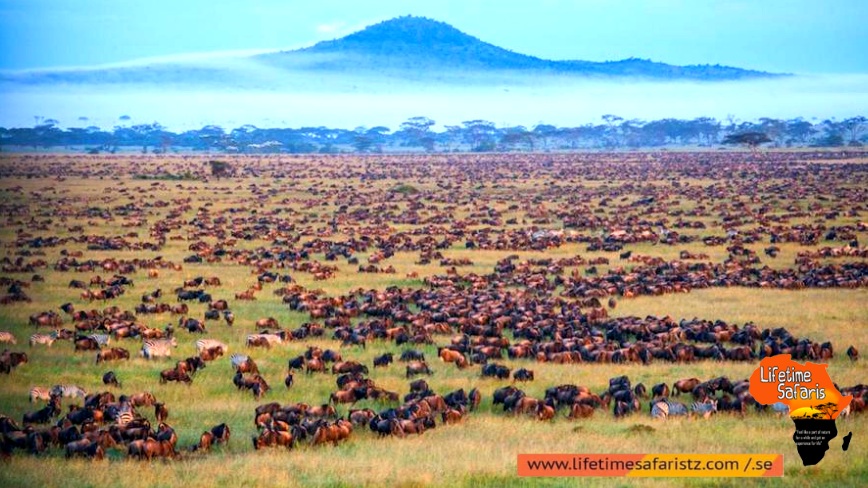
(705, 408)
(7, 337)
(203, 344)
(45, 339)
(125, 416)
(40, 393)
(101, 339)
(68, 391)
(238, 359)
(155, 348)
(664, 408)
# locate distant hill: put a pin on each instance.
(409, 48)
(411, 43)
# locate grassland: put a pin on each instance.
(481, 451)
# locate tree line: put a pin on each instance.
(418, 134)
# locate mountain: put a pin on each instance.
(413, 43)
(405, 48)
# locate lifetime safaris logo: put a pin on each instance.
(809, 395)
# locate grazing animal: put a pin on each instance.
(853, 353)
(44, 415)
(112, 354)
(155, 348)
(211, 354)
(111, 379)
(382, 361)
(142, 399)
(660, 390)
(68, 391)
(243, 363)
(684, 386)
(418, 367)
(412, 355)
(522, 375)
(102, 340)
(161, 413)
(175, 375)
(44, 339)
(40, 393)
(8, 338)
(705, 408)
(296, 363)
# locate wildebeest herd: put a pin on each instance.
(389, 313)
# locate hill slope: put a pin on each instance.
(404, 48)
(411, 43)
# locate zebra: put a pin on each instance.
(40, 393)
(125, 415)
(101, 339)
(706, 408)
(70, 391)
(47, 339)
(238, 359)
(7, 337)
(660, 410)
(664, 408)
(153, 348)
(203, 344)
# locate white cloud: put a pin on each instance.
(330, 28)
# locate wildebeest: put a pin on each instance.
(211, 353)
(418, 367)
(495, 371)
(44, 415)
(296, 363)
(190, 365)
(412, 355)
(270, 438)
(349, 367)
(86, 344)
(112, 354)
(149, 448)
(111, 379)
(11, 360)
(853, 353)
(145, 398)
(86, 448)
(660, 390)
(684, 386)
(383, 360)
(451, 356)
(175, 375)
(161, 413)
(522, 375)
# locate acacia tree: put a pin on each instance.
(416, 131)
(749, 139)
(855, 126)
(828, 409)
(480, 134)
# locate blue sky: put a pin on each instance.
(800, 36)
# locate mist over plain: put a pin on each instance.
(234, 91)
